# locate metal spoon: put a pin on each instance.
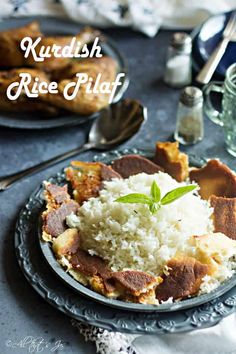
(115, 124)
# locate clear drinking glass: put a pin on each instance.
(227, 117)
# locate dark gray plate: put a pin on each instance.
(56, 26)
(49, 256)
(69, 301)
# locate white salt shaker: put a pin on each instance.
(178, 71)
(190, 123)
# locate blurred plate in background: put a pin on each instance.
(56, 26)
(206, 38)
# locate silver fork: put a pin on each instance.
(209, 68)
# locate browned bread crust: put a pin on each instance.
(54, 220)
(184, 278)
(56, 195)
(58, 206)
(130, 165)
(133, 282)
(215, 178)
(224, 216)
(174, 162)
(87, 178)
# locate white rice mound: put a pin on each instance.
(128, 236)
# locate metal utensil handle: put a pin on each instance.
(8, 181)
(209, 68)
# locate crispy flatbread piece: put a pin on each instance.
(58, 206)
(130, 165)
(174, 162)
(87, 178)
(184, 278)
(214, 178)
(66, 243)
(134, 282)
(224, 216)
(216, 246)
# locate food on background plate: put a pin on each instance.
(10, 44)
(24, 103)
(85, 103)
(14, 56)
(85, 36)
(143, 238)
(59, 69)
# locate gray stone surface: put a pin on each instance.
(23, 312)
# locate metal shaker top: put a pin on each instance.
(191, 96)
(182, 42)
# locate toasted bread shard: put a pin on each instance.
(95, 270)
(55, 195)
(54, 220)
(66, 243)
(134, 282)
(184, 278)
(89, 265)
(215, 178)
(216, 247)
(129, 285)
(149, 297)
(224, 215)
(174, 162)
(87, 178)
(58, 206)
(130, 165)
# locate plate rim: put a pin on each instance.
(88, 311)
(195, 40)
(86, 291)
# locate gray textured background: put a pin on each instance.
(23, 312)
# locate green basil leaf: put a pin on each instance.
(154, 207)
(177, 193)
(155, 192)
(135, 198)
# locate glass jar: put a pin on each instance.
(178, 72)
(190, 123)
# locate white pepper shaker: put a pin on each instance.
(190, 123)
(178, 71)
